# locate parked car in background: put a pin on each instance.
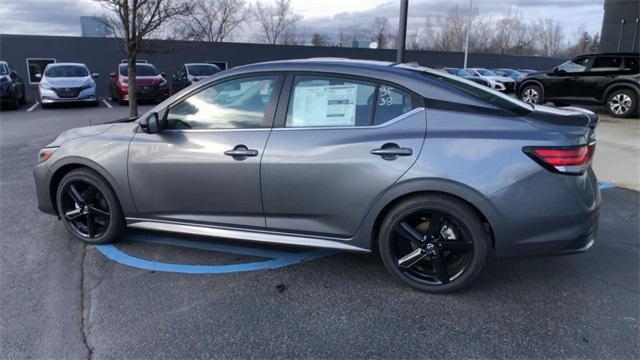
(67, 83)
(527, 71)
(467, 75)
(151, 85)
(500, 83)
(514, 74)
(12, 90)
(190, 73)
(609, 79)
(437, 173)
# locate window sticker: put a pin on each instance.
(333, 105)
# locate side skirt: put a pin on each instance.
(243, 234)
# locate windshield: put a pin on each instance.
(141, 70)
(461, 72)
(202, 70)
(60, 71)
(481, 92)
(3, 69)
(486, 72)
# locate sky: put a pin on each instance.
(61, 17)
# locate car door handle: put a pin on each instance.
(391, 151)
(241, 152)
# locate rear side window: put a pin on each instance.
(319, 101)
(392, 103)
(631, 65)
(606, 63)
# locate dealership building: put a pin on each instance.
(620, 26)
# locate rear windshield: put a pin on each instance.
(202, 70)
(60, 71)
(3, 69)
(141, 70)
(481, 92)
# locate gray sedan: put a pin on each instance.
(437, 173)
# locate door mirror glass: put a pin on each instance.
(150, 124)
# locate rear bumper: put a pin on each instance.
(548, 214)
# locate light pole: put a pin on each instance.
(466, 42)
(402, 30)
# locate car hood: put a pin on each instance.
(148, 80)
(500, 78)
(80, 132)
(67, 81)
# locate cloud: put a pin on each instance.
(51, 17)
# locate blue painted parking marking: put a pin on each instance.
(276, 259)
(606, 186)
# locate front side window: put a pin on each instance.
(574, 66)
(319, 101)
(60, 71)
(233, 104)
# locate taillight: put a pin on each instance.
(570, 160)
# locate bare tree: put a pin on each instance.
(275, 20)
(512, 35)
(214, 20)
(134, 21)
(380, 32)
(318, 39)
(550, 36)
(452, 34)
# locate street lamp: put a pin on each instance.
(466, 42)
(402, 30)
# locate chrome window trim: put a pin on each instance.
(261, 236)
(384, 124)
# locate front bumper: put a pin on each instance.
(42, 178)
(48, 96)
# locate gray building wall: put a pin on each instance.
(617, 36)
(102, 55)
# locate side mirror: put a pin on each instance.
(38, 76)
(164, 74)
(95, 75)
(112, 74)
(150, 124)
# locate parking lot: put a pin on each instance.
(157, 295)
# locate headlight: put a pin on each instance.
(46, 153)
(46, 86)
(87, 86)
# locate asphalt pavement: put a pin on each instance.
(61, 299)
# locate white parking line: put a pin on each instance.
(107, 103)
(33, 106)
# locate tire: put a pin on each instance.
(83, 180)
(532, 94)
(465, 225)
(622, 103)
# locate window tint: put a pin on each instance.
(391, 103)
(330, 101)
(631, 65)
(609, 63)
(574, 66)
(233, 104)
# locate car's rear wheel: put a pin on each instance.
(433, 243)
(622, 103)
(89, 207)
(532, 94)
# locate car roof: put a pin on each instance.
(66, 63)
(187, 64)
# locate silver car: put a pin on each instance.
(67, 83)
(437, 173)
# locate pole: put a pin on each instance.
(466, 42)
(402, 30)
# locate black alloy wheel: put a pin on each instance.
(434, 243)
(89, 208)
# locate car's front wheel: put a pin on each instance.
(89, 207)
(622, 103)
(532, 94)
(433, 243)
